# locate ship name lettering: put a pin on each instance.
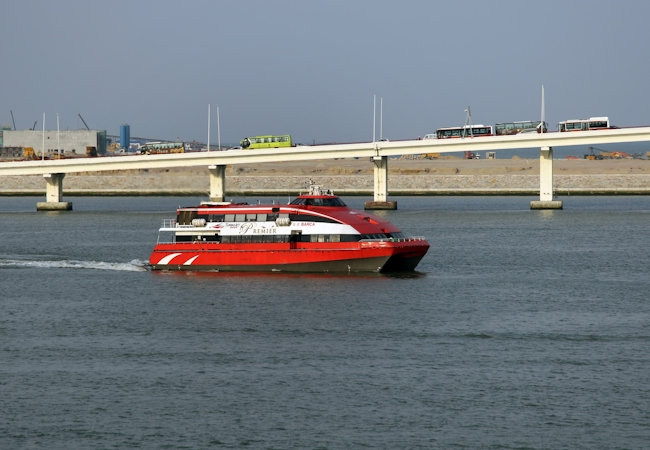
(265, 231)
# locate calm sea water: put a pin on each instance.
(521, 330)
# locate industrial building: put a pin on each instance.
(71, 143)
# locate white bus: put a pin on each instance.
(466, 131)
(593, 123)
(527, 126)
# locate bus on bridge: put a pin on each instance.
(465, 131)
(155, 148)
(255, 142)
(593, 123)
(527, 126)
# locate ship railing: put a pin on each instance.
(169, 223)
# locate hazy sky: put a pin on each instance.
(311, 68)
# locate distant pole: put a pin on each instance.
(374, 115)
(43, 149)
(208, 127)
(381, 117)
(218, 129)
(58, 135)
(543, 110)
(468, 123)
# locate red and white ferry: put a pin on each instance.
(316, 232)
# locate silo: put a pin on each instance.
(125, 137)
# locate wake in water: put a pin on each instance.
(133, 266)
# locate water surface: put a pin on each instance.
(520, 330)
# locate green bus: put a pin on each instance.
(254, 142)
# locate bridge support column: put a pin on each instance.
(217, 183)
(546, 182)
(54, 194)
(381, 185)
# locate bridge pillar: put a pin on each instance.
(546, 182)
(53, 194)
(217, 183)
(381, 185)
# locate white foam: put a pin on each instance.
(133, 266)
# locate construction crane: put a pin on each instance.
(82, 119)
(34, 127)
(592, 156)
(616, 154)
(12, 119)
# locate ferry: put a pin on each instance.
(316, 232)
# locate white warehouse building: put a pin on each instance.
(70, 142)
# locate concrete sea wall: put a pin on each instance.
(360, 184)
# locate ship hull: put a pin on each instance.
(382, 256)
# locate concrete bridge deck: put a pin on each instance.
(54, 171)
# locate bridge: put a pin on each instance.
(54, 171)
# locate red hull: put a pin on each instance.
(375, 256)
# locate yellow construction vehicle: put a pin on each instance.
(28, 153)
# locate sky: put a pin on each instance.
(312, 69)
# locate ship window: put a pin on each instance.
(320, 238)
(186, 217)
(271, 217)
(335, 201)
(216, 218)
(240, 217)
(261, 217)
(251, 217)
(283, 216)
(257, 238)
(311, 218)
(247, 238)
(335, 238)
(229, 218)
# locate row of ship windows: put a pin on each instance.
(284, 238)
(186, 219)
